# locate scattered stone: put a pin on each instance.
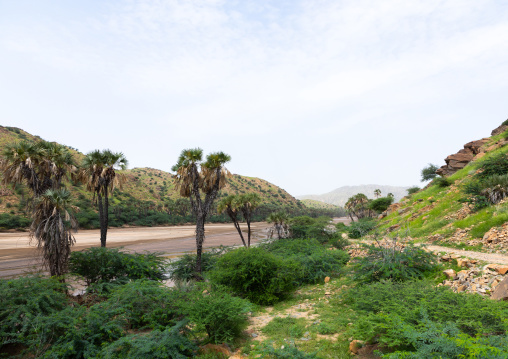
(393, 228)
(450, 273)
(462, 262)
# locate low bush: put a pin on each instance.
(218, 313)
(412, 190)
(386, 308)
(184, 268)
(12, 221)
(441, 182)
(494, 165)
(100, 264)
(288, 352)
(393, 262)
(361, 227)
(158, 344)
(256, 274)
(23, 301)
(146, 304)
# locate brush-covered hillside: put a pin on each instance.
(466, 207)
(147, 198)
(311, 203)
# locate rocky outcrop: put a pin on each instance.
(460, 159)
(499, 130)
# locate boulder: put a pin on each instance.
(501, 291)
(460, 159)
(355, 346)
(499, 130)
(450, 273)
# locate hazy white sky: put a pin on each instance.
(309, 95)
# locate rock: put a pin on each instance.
(501, 291)
(344, 236)
(327, 279)
(499, 130)
(355, 345)
(461, 288)
(403, 210)
(460, 159)
(502, 269)
(393, 228)
(328, 293)
(450, 273)
(462, 262)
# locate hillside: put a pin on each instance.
(311, 203)
(340, 195)
(147, 198)
(466, 209)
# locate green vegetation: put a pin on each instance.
(429, 173)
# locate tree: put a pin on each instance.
(51, 228)
(390, 195)
(98, 173)
(358, 206)
(412, 190)
(195, 178)
(42, 166)
(280, 222)
(246, 204)
(428, 173)
(377, 193)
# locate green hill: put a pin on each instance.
(459, 210)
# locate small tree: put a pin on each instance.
(229, 205)
(248, 203)
(280, 222)
(358, 206)
(429, 173)
(413, 190)
(377, 193)
(390, 195)
(200, 182)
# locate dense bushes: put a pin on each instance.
(494, 165)
(361, 227)
(256, 274)
(401, 315)
(12, 221)
(24, 300)
(381, 204)
(395, 262)
(184, 268)
(100, 264)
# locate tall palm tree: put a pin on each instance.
(98, 173)
(195, 178)
(229, 205)
(377, 193)
(247, 203)
(51, 228)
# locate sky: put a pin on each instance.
(309, 95)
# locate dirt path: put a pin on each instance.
(17, 256)
(487, 257)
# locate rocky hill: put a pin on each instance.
(146, 190)
(340, 195)
(467, 208)
(311, 203)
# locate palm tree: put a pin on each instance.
(357, 206)
(390, 195)
(229, 205)
(247, 203)
(195, 178)
(51, 228)
(280, 222)
(377, 193)
(98, 173)
(40, 165)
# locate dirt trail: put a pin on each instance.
(487, 257)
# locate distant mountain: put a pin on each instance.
(340, 195)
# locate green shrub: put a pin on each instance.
(429, 172)
(184, 268)
(288, 352)
(361, 227)
(11, 221)
(100, 264)
(441, 182)
(505, 122)
(385, 307)
(287, 327)
(218, 313)
(394, 262)
(495, 165)
(146, 304)
(256, 274)
(412, 190)
(23, 301)
(381, 204)
(163, 344)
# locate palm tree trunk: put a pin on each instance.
(237, 226)
(101, 220)
(106, 216)
(200, 238)
(248, 232)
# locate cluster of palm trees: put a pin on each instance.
(43, 166)
(245, 204)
